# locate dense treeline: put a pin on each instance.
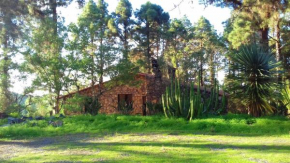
(62, 59)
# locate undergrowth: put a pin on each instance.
(231, 124)
(3, 121)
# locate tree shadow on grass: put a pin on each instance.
(87, 142)
(130, 155)
(197, 144)
(79, 140)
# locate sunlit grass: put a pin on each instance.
(235, 125)
(160, 148)
(120, 138)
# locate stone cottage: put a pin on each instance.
(149, 90)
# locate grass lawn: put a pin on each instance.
(118, 138)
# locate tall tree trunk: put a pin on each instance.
(102, 61)
(201, 72)
(157, 46)
(148, 48)
(57, 74)
(92, 71)
(278, 49)
(264, 37)
(53, 6)
(126, 47)
(212, 70)
(5, 77)
(201, 65)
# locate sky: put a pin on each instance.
(193, 10)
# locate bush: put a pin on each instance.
(38, 106)
(92, 106)
(154, 108)
(75, 104)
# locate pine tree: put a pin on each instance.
(92, 43)
(12, 12)
(45, 44)
(209, 46)
(121, 25)
(150, 20)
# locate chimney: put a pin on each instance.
(156, 69)
(171, 72)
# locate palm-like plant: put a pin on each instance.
(286, 95)
(254, 82)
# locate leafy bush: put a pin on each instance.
(154, 108)
(14, 114)
(75, 104)
(286, 95)
(92, 106)
(3, 121)
(38, 106)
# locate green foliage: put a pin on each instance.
(178, 102)
(12, 13)
(124, 73)
(3, 121)
(150, 25)
(286, 95)
(92, 44)
(38, 106)
(15, 114)
(154, 108)
(231, 124)
(178, 35)
(255, 82)
(92, 106)
(44, 58)
(241, 33)
(75, 104)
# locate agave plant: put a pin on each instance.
(255, 78)
(286, 95)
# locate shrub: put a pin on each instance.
(75, 104)
(38, 106)
(92, 106)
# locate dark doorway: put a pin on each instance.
(144, 106)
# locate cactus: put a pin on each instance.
(224, 102)
(190, 104)
(164, 106)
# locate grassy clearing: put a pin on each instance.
(230, 125)
(120, 138)
(125, 148)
